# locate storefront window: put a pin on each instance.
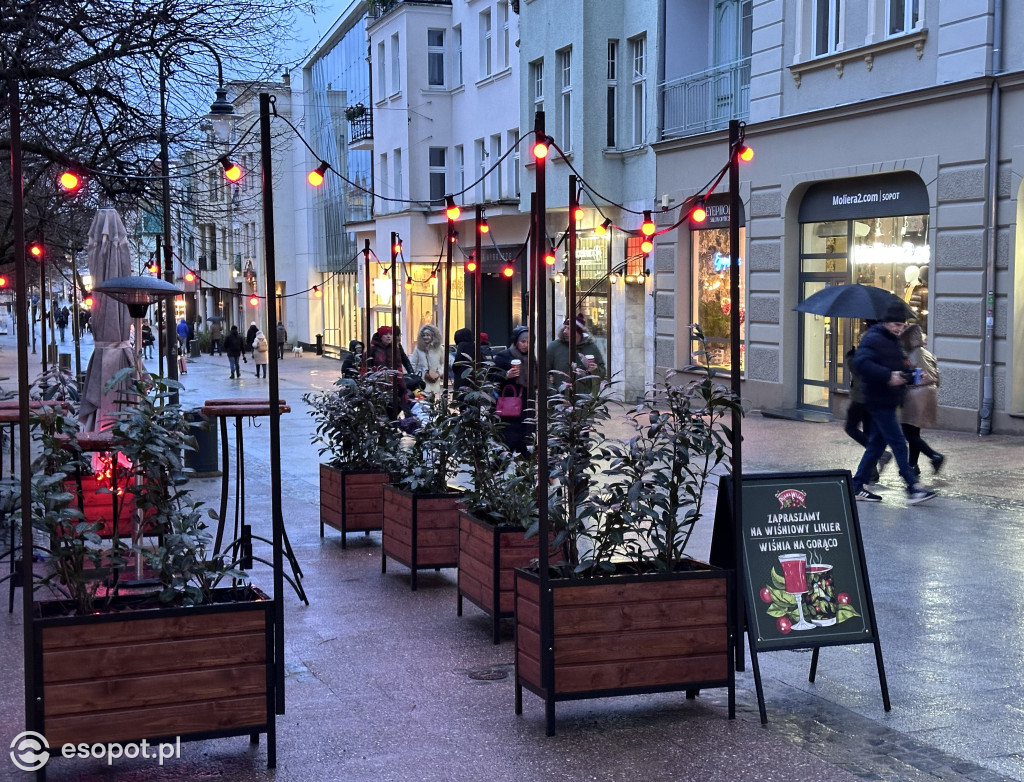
(712, 300)
(592, 284)
(893, 253)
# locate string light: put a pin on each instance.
(317, 293)
(316, 177)
(484, 227)
(451, 209)
(647, 229)
(232, 172)
(602, 229)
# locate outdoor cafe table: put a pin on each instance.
(239, 408)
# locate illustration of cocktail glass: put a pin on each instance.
(794, 571)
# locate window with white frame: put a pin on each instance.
(564, 118)
(385, 206)
(495, 170)
(382, 71)
(537, 85)
(825, 27)
(638, 102)
(612, 95)
(460, 167)
(399, 185)
(512, 161)
(457, 56)
(396, 66)
(485, 43)
(437, 160)
(504, 52)
(480, 165)
(435, 58)
(903, 16)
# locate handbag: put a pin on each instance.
(431, 376)
(509, 404)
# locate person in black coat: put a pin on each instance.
(353, 361)
(515, 370)
(462, 362)
(233, 346)
(882, 367)
(250, 337)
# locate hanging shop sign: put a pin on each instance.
(887, 195)
(717, 207)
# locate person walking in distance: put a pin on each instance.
(921, 405)
(882, 367)
(282, 337)
(233, 346)
(183, 335)
(261, 353)
(250, 337)
(215, 336)
(858, 419)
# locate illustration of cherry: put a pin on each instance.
(843, 598)
(784, 624)
(766, 595)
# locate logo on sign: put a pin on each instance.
(792, 498)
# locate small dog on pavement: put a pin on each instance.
(297, 350)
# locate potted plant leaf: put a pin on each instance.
(188, 651)
(421, 507)
(353, 430)
(498, 520)
(630, 611)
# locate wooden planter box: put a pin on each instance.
(420, 530)
(623, 635)
(156, 674)
(351, 500)
(488, 556)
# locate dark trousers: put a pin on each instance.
(916, 444)
(858, 423)
(885, 430)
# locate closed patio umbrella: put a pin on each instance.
(108, 256)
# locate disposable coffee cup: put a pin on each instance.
(516, 362)
(588, 356)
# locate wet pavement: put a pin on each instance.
(388, 684)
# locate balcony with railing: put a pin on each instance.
(375, 9)
(706, 101)
(360, 128)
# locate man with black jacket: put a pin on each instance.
(882, 367)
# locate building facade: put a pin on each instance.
(888, 152)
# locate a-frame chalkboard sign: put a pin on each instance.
(801, 571)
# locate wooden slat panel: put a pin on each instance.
(366, 479)
(155, 690)
(641, 673)
(623, 646)
(473, 588)
(133, 658)
(640, 616)
(200, 624)
(134, 724)
(358, 522)
(654, 591)
(437, 556)
(527, 612)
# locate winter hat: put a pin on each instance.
(895, 313)
(579, 328)
(581, 321)
(384, 330)
(518, 331)
(483, 336)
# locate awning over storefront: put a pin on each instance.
(886, 195)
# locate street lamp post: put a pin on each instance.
(220, 109)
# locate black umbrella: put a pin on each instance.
(852, 301)
(215, 319)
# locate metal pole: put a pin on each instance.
(542, 355)
(170, 335)
(735, 355)
(366, 276)
(477, 284)
(395, 353)
(275, 408)
(570, 287)
(44, 311)
(449, 240)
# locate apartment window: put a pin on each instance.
(564, 116)
(385, 206)
(457, 64)
(825, 24)
(480, 160)
(504, 58)
(904, 16)
(495, 174)
(382, 71)
(437, 158)
(485, 43)
(612, 100)
(638, 54)
(513, 163)
(399, 185)
(396, 66)
(460, 167)
(537, 85)
(435, 58)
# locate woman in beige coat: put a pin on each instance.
(428, 358)
(922, 401)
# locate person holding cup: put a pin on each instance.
(588, 356)
(515, 369)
